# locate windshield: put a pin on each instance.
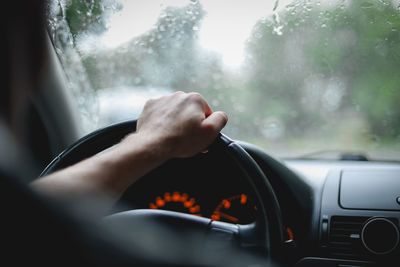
(294, 77)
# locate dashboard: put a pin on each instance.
(338, 213)
(357, 212)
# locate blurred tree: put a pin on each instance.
(167, 55)
(89, 15)
(326, 61)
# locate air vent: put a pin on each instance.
(345, 237)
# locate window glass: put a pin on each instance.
(295, 77)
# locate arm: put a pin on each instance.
(178, 125)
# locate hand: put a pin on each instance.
(178, 125)
(181, 124)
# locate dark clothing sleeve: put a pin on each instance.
(38, 232)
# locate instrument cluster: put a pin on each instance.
(205, 185)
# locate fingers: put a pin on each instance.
(190, 105)
(216, 121)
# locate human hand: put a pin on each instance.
(177, 125)
(180, 125)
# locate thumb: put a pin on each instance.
(216, 121)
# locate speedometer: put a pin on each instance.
(235, 209)
(176, 201)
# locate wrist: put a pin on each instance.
(131, 159)
(145, 147)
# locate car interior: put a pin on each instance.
(313, 209)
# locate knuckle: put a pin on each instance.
(195, 97)
(178, 93)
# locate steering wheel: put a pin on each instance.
(265, 235)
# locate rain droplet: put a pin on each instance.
(278, 30)
(323, 25)
(272, 128)
(384, 3)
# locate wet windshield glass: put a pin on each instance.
(294, 77)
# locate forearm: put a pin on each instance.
(105, 176)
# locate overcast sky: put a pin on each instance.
(225, 28)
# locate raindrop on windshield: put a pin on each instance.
(273, 128)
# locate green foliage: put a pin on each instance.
(165, 56)
(84, 15)
(355, 43)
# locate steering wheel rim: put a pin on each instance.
(268, 223)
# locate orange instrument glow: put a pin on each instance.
(160, 202)
(228, 217)
(226, 204)
(243, 199)
(290, 233)
(235, 209)
(176, 201)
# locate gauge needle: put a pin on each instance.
(228, 217)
